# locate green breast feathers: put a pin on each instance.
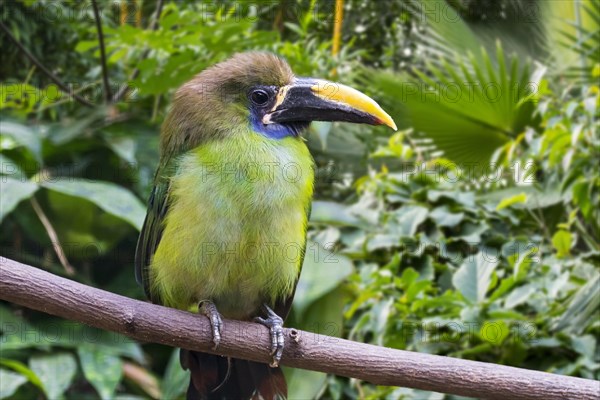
(236, 228)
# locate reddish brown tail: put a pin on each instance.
(219, 378)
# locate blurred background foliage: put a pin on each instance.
(472, 232)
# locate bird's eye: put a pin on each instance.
(259, 97)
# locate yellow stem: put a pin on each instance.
(123, 16)
(138, 13)
(337, 26)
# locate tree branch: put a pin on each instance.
(107, 91)
(40, 290)
(42, 68)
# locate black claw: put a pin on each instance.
(275, 325)
(209, 309)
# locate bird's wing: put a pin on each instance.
(283, 307)
(152, 229)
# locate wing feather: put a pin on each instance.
(152, 230)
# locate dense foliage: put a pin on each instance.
(472, 232)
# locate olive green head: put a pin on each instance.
(257, 92)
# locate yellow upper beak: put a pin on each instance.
(351, 97)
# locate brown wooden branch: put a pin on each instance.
(61, 85)
(40, 290)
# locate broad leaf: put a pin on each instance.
(562, 241)
(409, 218)
(12, 192)
(444, 217)
(23, 135)
(323, 270)
(23, 370)
(10, 382)
(103, 370)
(473, 277)
(509, 201)
(329, 212)
(56, 371)
(175, 380)
(110, 197)
(304, 384)
(519, 296)
(582, 306)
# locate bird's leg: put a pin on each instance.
(275, 325)
(209, 309)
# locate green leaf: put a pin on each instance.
(85, 45)
(68, 130)
(10, 168)
(561, 241)
(505, 285)
(117, 344)
(584, 345)
(323, 316)
(111, 198)
(23, 135)
(12, 192)
(467, 199)
(23, 370)
(322, 129)
(444, 217)
(582, 306)
(331, 213)
(81, 222)
(409, 218)
(124, 147)
(102, 370)
(382, 241)
(494, 332)
(10, 382)
(322, 272)
(519, 296)
(409, 275)
(536, 198)
(509, 201)
(473, 277)
(521, 261)
(56, 371)
(174, 382)
(304, 384)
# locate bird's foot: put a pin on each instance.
(209, 309)
(275, 325)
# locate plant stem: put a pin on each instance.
(53, 237)
(107, 91)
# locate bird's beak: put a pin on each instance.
(310, 99)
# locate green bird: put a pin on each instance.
(225, 230)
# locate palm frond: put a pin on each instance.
(467, 96)
(469, 106)
(577, 53)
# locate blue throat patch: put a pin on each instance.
(276, 131)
